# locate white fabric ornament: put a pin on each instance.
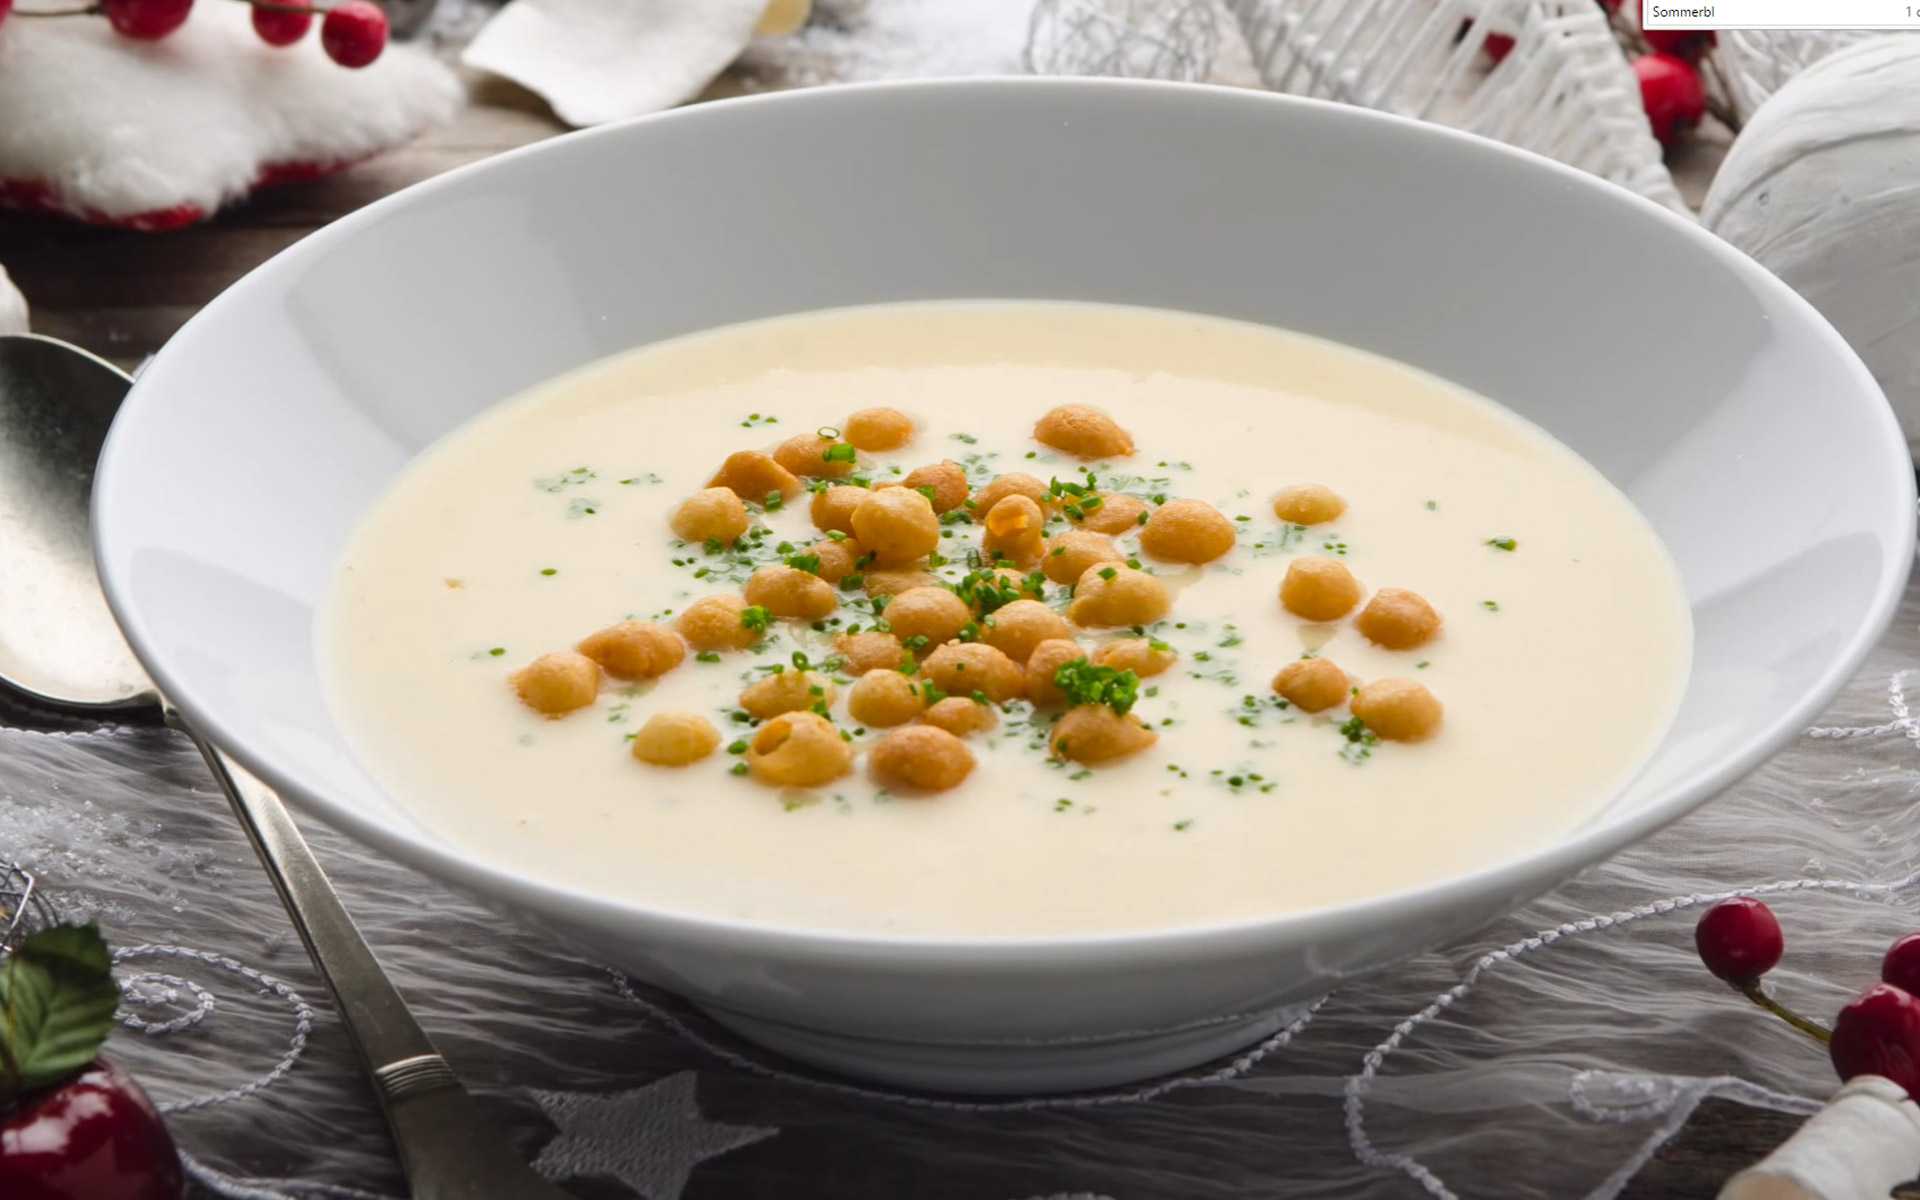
(1563, 90)
(1862, 1144)
(1823, 188)
(603, 60)
(13, 306)
(158, 134)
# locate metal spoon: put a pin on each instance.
(61, 653)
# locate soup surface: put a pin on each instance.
(1561, 654)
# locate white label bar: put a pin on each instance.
(1781, 14)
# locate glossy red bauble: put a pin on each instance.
(1879, 1034)
(282, 24)
(1901, 967)
(1739, 940)
(354, 33)
(94, 1137)
(1671, 92)
(146, 19)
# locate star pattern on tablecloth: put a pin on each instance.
(648, 1138)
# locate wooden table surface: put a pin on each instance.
(123, 294)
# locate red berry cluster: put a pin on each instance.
(1877, 1033)
(353, 32)
(1671, 90)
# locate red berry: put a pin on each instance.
(1497, 46)
(94, 1137)
(354, 33)
(146, 19)
(1879, 1034)
(283, 24)
(1689, 44)
(1612, 6)
(1671, 92)
(1901, 967)
(1739, 940)
(6, 6)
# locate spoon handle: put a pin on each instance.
(446, 1148)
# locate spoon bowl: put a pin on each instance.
(60, 649)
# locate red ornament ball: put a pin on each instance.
(146, 19)
(94, 1137)
(1901, 967)
(1879, 1034)
(1671, 92)
(354, 33)
(1739, 940)
(283, 23)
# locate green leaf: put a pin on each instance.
(77, 948)
(57, 998)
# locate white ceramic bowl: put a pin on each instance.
(1725, 407)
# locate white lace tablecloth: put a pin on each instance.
(1548, 1056)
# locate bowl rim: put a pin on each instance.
(1516, 875)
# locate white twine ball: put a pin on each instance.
(1822, 187)
(1139, 39)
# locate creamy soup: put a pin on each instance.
(1492, 638)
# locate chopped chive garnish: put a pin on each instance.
(1085, 683)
